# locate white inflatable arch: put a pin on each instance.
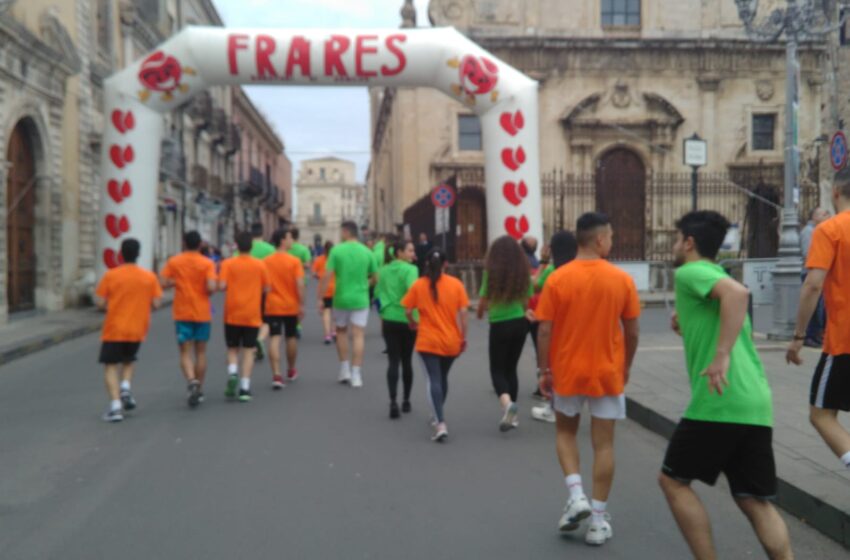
(200, 57)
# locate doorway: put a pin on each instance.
(20, 222)
(621, 194)
(471, 224)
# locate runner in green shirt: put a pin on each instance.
(505, 290)
(299, 249)
(353, 267)
(728, 425)
(394, 280)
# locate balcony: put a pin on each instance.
(317, 221)
(200, 177)
(216, 187)
(255, 185)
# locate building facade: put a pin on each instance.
(328, 194)
(622, 84)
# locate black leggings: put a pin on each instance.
(506, 341)
(399, 339)
(437, 368)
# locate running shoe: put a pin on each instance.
(200, 396)
(440, 435)
(344, 375)
(112, 416)
(244, 396)
(292, 374)
(127, 400)
(260, 352)
(576, 511)
(232, 383)
(278, 383)
(394, 412)
(509, 419)
(328, 340)
(194, 394)
(405, 407)
(599, 532)
(543, 413)
(356, 380)
(433, 422)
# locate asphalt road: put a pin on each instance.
(314, 471)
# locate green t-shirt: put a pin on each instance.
(352, 264)
(541, 280)
(394, 280)
(378, 251)
(747, 399)
(260, 249)
(301, 251)
(499, 312)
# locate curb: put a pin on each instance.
(39, 343)
(809, 509)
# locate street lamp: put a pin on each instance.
(800, 20)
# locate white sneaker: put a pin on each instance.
(599, 532)
(509, 419)
(344, 375)
(356, 380)
(576, 511)
(543, 413)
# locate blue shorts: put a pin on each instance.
(188, 331)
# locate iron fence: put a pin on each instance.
(750, 198)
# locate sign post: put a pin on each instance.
(443, 197)
(696, 155)
(838, 151)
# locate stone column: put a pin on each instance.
(709, 84)
(4, 258)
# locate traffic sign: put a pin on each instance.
(443, 196)
(838, 151)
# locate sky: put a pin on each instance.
(318, 121)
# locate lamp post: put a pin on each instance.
(800, 20)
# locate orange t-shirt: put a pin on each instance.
(190, 272)
(586, 300)
(320, 266)
(438, 329)
(246, 278)
(129, 292)
(284, 272)
(830, 251)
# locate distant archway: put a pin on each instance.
(198, 57)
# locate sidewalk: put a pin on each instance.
(814, 485)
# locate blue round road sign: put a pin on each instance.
(443, 196)
(838, 151)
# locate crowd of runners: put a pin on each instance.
(583, 316)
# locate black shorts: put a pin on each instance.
(831, 383)
(329, 302)
(118, 352)
(237, 336)
(282, 324)
(744, 453)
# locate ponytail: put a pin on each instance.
(436, 259)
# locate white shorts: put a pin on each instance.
(605, 408)
(356, 317)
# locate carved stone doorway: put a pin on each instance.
(621, 194)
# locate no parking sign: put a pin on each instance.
(443, 196)
(838, 151)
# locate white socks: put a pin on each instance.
(345, 366)
(846, 459)
(232, 369)
(574, 485)
(114, 405)
(598, 511)
(125, 385)
(355, 371)
(245, 383)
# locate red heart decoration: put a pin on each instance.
(124, 224)
(515, 193)
(116, 156)
(112, 189)
(126, 190)
(516, 228)
(519, 120)
(129, 121)
(128, 154)
(507, 122)
(112, 259)
(118, 121)
(112, 226)
(508, 159)
(520, 155)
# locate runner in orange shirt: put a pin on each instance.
(244, 279)
(127, 293)
(284, 306)
(193, 277)
(441, 332)
(588, 336)
(829, 272)
(320, 265)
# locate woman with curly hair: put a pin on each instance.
(505, 290)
